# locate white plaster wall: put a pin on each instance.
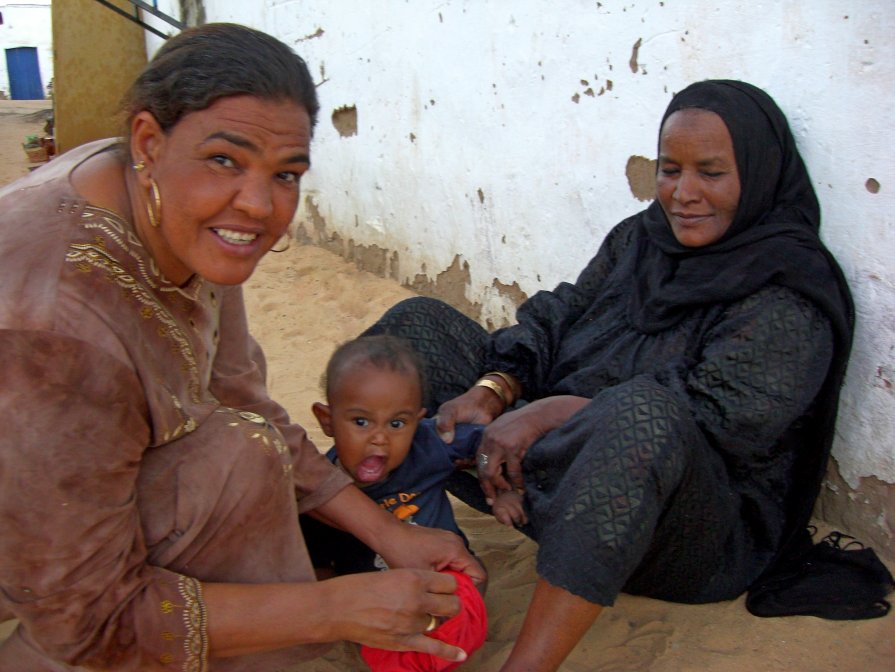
(477, 136)
(27, 24)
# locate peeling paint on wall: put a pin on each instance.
(634, 54)
(589, 89)
(373, 259)
(323, 77)
(345, 120)
(317, 220)
(512, 292)
(872, 185)
(313, 36)
(450, 286)
(867, 508)
(641, 174)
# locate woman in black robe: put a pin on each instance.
(669, 415)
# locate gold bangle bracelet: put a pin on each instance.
(494, 387)
(512, 384)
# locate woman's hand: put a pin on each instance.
(388, 610)
(477, 405)
(414, 546)
(504, 444)
(392, 609)
(507, 439)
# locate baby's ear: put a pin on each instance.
(422, 413)
(324, 416)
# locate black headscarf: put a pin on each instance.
(773, 239)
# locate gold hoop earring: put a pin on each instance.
(156, 198)
(139, 166)
(288, 243)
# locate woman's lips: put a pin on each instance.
(688, 219)
(234, 237)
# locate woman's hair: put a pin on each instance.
(200, 65)
(381, 351)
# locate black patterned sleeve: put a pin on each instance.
(527, 348)
(762, 365)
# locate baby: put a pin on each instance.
(375, 416)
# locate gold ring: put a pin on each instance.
(433, 623)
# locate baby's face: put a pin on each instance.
(375, 413)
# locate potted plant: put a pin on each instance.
(34, 149)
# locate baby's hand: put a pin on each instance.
(508, 509)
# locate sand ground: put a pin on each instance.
(305, 301)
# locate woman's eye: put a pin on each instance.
(289, 177)
(669, 171)
(707, 174)
(223, 160)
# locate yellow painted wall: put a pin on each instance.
(97, 54)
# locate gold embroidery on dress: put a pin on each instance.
(195, 619)
(96, 255)
(186, 424)
(114, 226)
(265, 432)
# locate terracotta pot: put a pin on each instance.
(36, 154)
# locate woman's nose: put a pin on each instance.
(255, 197)
(686, 190)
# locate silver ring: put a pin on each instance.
(433, 623)
(481, 460)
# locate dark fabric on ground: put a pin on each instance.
(830, 579)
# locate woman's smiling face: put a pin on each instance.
(228, 177)
(697, 182)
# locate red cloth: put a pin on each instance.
(467, 630)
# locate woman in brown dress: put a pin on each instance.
(149, 488)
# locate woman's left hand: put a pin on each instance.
(507, 439)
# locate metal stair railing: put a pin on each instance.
(146, 7)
